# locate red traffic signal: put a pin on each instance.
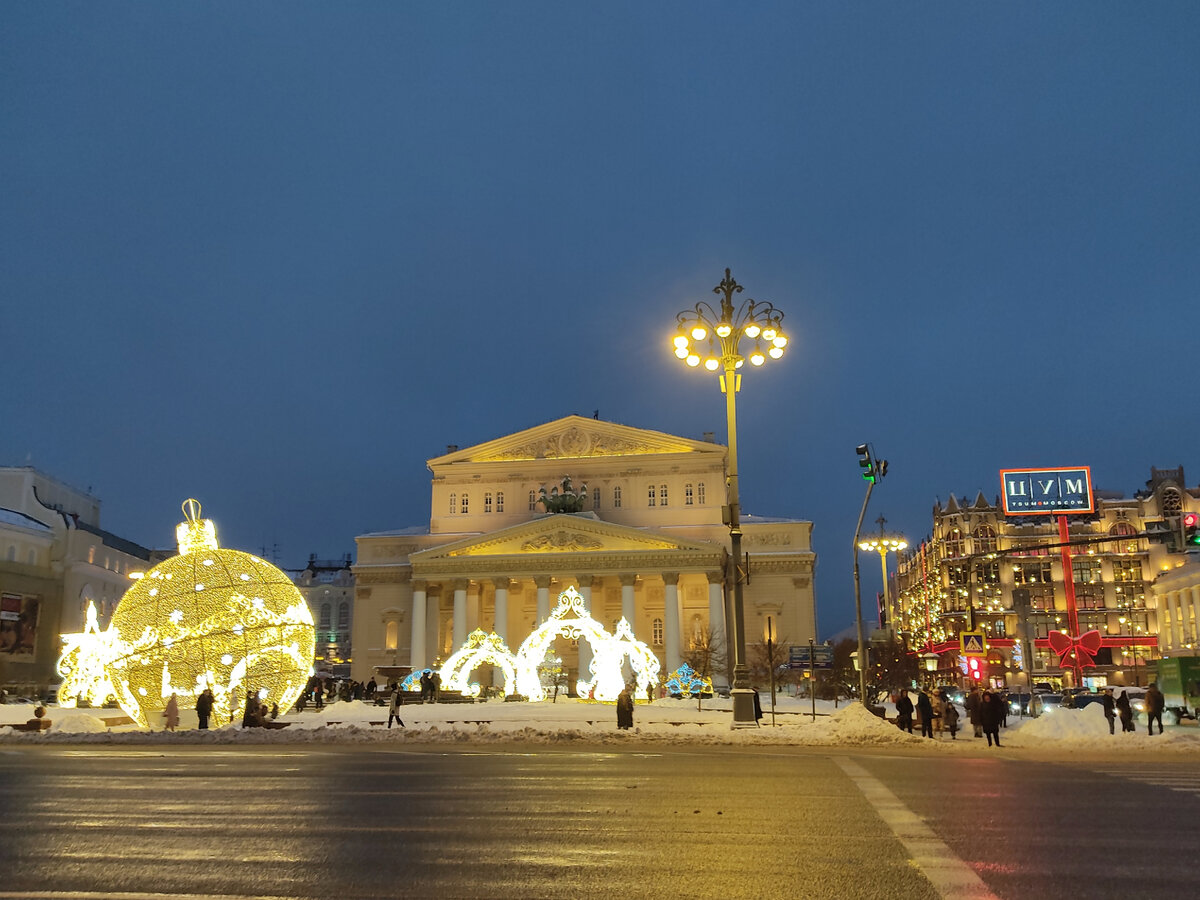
(1191, 528)
(974, 669)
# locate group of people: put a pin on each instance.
(1122, 707)
(932, 714)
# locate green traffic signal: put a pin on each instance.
(866, 462)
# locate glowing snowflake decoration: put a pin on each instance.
(685, 682)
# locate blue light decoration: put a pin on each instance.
(684, 682)
(413, 681)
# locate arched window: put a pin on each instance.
(595, 498)
(33, 557)
(499, 501)
(1170, 502)
(487, 502)
(697, 632)
(700, 493)
(617, 497)
(651, 495)
(953, 545)
(688, 495)
(453, 504)
(1128, 533)
(343, 615)
(985, 539)
(325, 613)
(392, 637)
(662, 495)
(532, 501)
(656, 630)
(464, 504)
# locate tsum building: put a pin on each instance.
(643, 540)
(978, 566)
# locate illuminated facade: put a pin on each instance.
(327, 585)
(55, 560)
(645, 542)
(966, 574)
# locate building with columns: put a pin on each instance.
(640, 536)
(1177, 598)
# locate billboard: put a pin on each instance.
(1047, 492)
(18, 624)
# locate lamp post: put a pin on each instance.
(713, 338)
(884, 544)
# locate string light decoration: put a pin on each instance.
(413, 681)
(686, 683)
(208, 617)
(479, 650)
(82, 664)
(641, 658)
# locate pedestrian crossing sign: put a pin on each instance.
(971, 643)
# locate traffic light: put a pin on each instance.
(1191, 529)
(974, 668)
(866, 462)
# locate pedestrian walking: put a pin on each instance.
(950, 716)
(925, 710)
(757, 706)
(204, 706)
(904, 712)
(991, 708)
(939, 714)
(394, 708)
(974, 703)
(1110, 710)
(372, 686)
(1125, 711)
(171, 713)
(1154, 707)
(625, 708)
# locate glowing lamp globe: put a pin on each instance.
(212, 618)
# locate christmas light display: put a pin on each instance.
(686, 683)
(82, 664)
(641, 658)
(479, 650)
(413, 681)
(208, 617)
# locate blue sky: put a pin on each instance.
(276, 256)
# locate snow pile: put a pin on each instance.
(855, 724)
(1086, 729)
(75, 721)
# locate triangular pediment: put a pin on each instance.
(562, 534)
(575, 437)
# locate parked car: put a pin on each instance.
(1019, 703)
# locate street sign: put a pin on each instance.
(971, 643)
(820, 658)
(1047, 492)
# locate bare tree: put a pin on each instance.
(706, 653)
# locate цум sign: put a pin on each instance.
(1047, 492)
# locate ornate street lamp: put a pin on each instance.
(884, 544)
(713, 339)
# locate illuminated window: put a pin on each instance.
(499, 501)
(985, 539)
(1127, 531)
(617, 498)
(595, 498)
(392, 638)
(662, 495)
(687, 494)
(953, 545)
(656, 629)
(487, 502)
(650, 495)
(532, 501)
(453, 504)
(464, 504)
(700, 493)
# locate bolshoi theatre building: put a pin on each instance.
(631, 518)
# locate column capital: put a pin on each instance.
(420, 584)
(585, 580)
(715, 577)
(670, 578)
(460, 584)
(628, 580)
(501, 584)
(542, 582)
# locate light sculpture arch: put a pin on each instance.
(480, 649)
(641, 658)
(570, 619)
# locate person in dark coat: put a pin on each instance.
(973, 703)
(1155, 702)
(757, 706)
(925, 708)
(372, 686)
(991, 711)
(204, 705)
(904, 712)
(394, 709)
(1125, 710)
(426, 687)
(950, 717)
(435, 686)
(1110, 710)
(625, 708)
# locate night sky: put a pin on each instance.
(277, 255)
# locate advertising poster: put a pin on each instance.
(18, 624)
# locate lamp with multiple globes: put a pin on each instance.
(714, 338)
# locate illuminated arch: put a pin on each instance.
(480, 649)
(641, 658)
(570, 619)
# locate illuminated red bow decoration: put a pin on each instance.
(1082, 649)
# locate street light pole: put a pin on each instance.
(858, 619)
(714, 337)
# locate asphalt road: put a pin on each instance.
(530, 822)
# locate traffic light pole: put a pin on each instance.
(862, 646)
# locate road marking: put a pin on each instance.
(1183, 782)
(949, 875)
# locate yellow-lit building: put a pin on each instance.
(977, 561)
(645, 541)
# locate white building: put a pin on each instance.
(646, 543)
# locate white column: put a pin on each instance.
(1194, 614)
(671, 620)
(460, 615)
(585, 649)
(433, 628)
(500, 626)
(628, 610)
(716, 623)
(416, 656)
(543, 598)
(1178, 619)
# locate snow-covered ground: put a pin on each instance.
(673, 721)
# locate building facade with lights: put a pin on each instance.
(642, 539)
(327, 586)
(978, 568)
(54, 559)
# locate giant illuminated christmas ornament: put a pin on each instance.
(208, 617)
(479, 650)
